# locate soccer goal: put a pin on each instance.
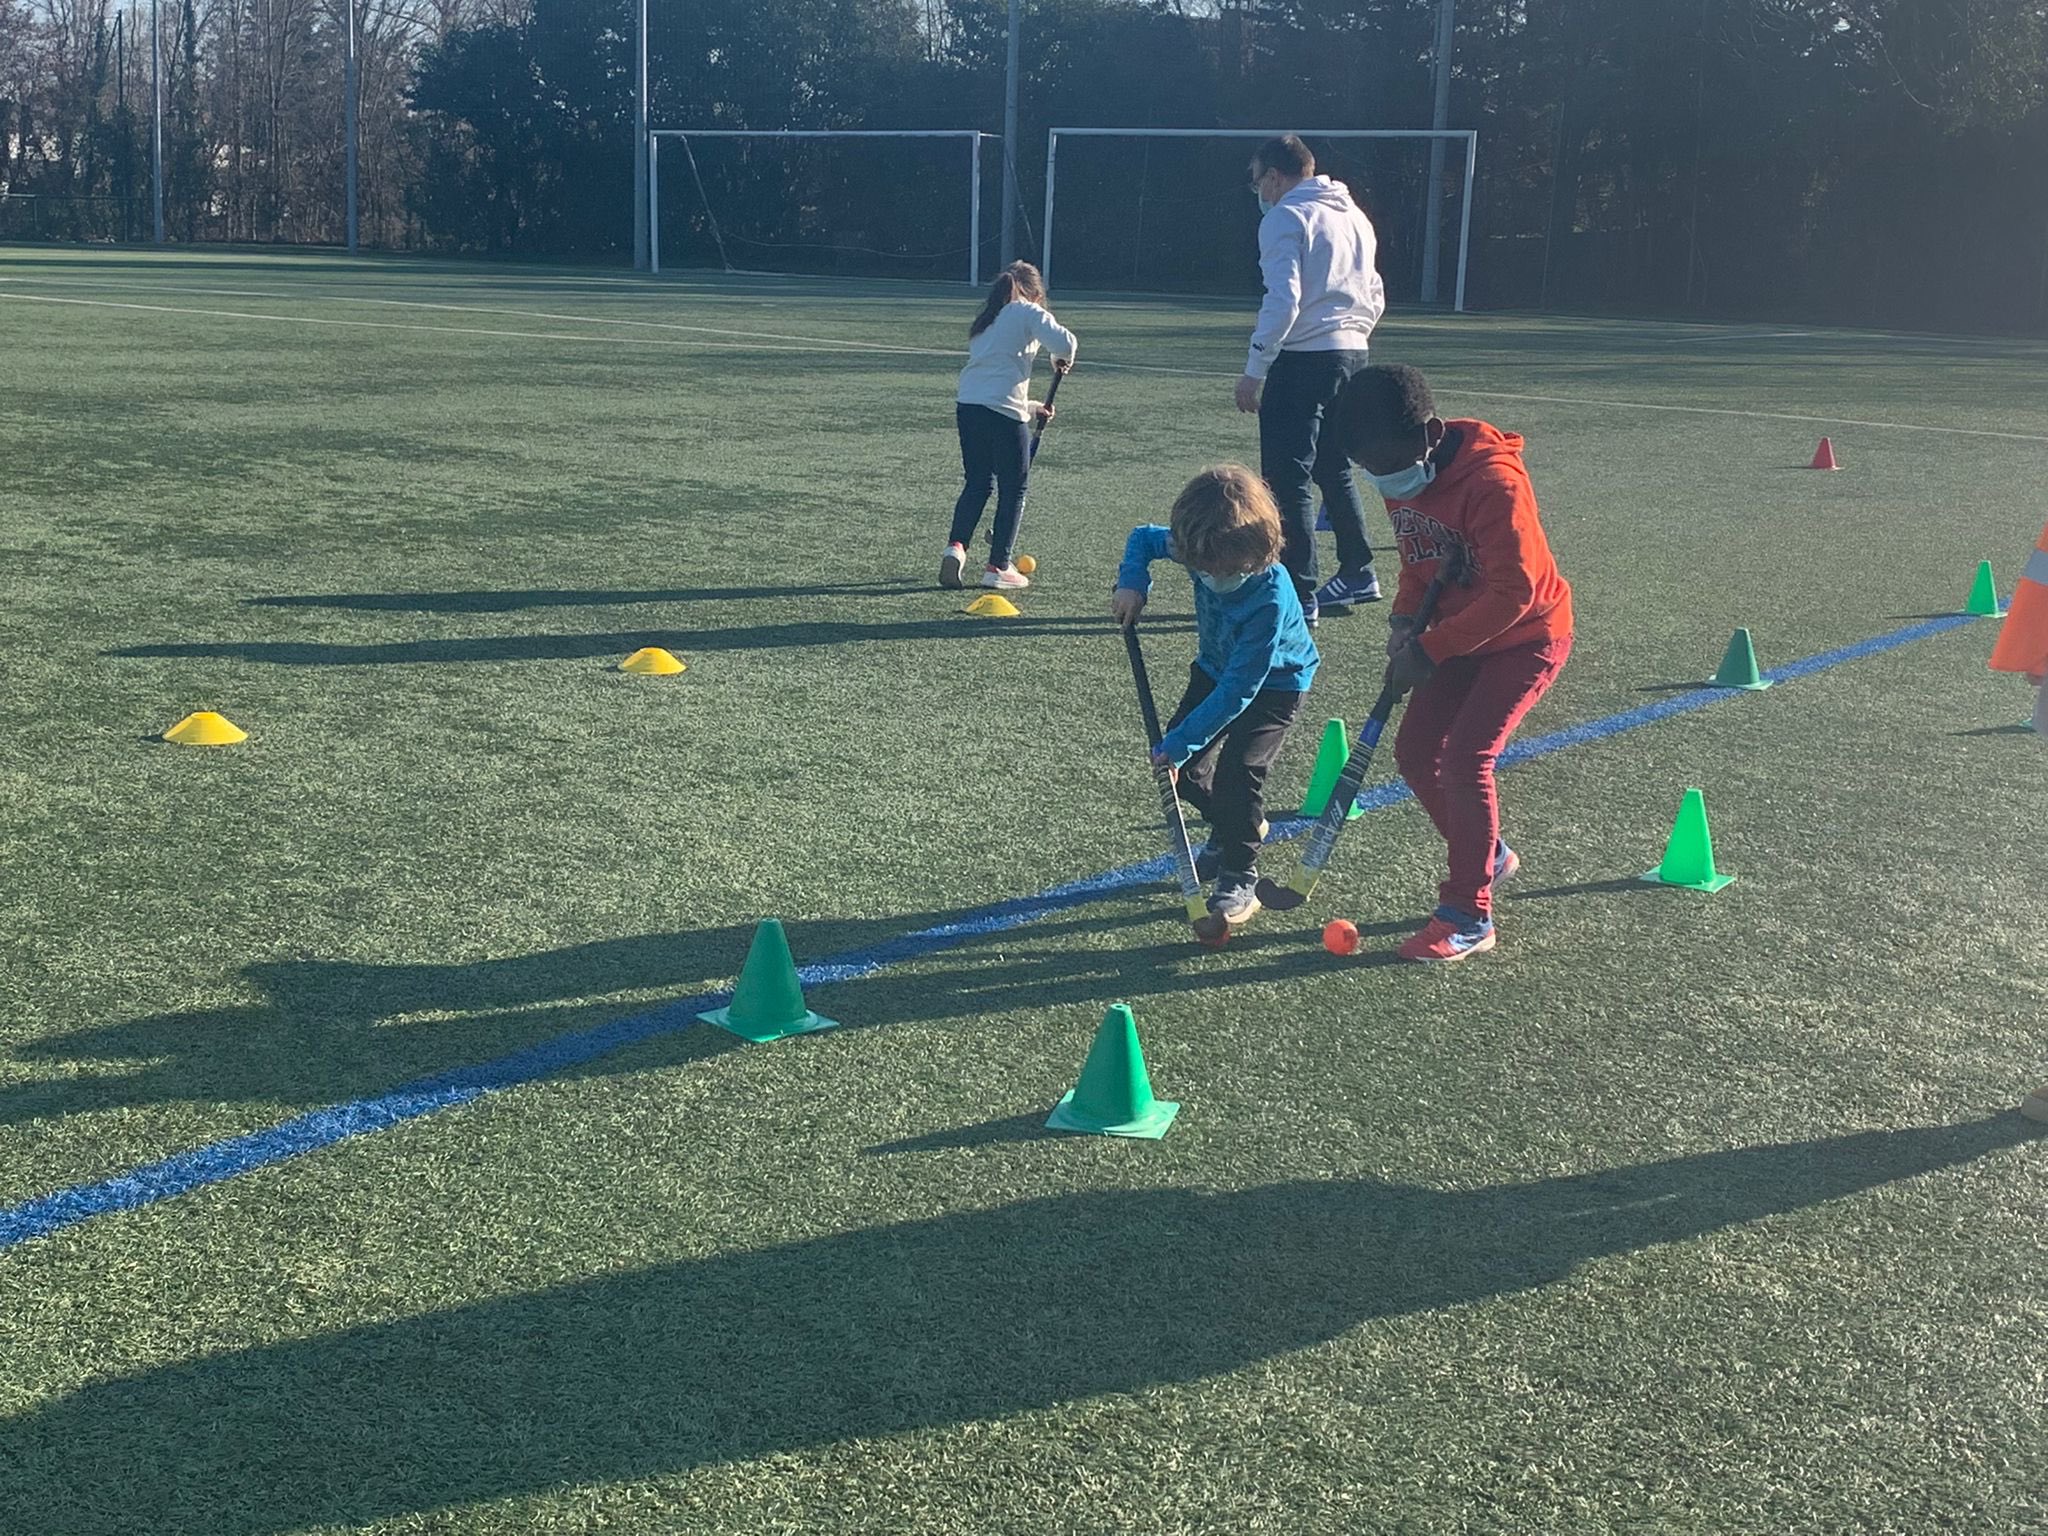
(844, 202)
(1169, 209)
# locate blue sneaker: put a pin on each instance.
(1347, 589)
(1506, 862)
(1236, 899)
(1450, 935)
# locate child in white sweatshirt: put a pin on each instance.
(994, 413)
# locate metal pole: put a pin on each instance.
(643, 235)
(351, 89)
(1009, 244)
(1433, 209)
(1465, 220)
(653, 184)
(1052, 149)
(974, 213)
(156, 119)
(121, 111)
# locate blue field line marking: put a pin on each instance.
(220, 1161)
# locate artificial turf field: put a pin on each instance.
(1679, 1213)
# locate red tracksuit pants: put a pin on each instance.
(1451, 735)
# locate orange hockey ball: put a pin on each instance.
(1341, 937)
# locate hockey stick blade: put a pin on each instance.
(1322, 837)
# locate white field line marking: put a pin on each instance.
(1688, 340)
(762, 341)
(455, 330)
(1715, 410)
(496, 309)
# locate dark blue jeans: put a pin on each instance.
(1297, 457)
(995, 454)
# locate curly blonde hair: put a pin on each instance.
(1226, 523)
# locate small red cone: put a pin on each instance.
(1824, 456)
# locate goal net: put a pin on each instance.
(846, 202)
(1169, 209)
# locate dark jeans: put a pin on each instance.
(1297, 458)
(1226, 780)
(995, 453)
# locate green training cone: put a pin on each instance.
(1738, 667)
(1331, 757)
(1689, 856)
(1114, 1096)
(1984, 595)
(768, 1003)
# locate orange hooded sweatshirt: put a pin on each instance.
(1480, 500)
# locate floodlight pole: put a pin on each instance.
(156, 120)
(1433, 210)
(351, 89)
(1009, 243)
(642, 231)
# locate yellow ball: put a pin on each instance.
(1026, 565)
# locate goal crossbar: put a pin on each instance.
(1467, 136)
(974, 136)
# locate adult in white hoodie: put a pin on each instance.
(1318, 254)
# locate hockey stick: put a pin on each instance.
(1322, 837)
(1052, 390)
(1209, 928)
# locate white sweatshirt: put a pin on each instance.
(998, 371)
(1318, 254)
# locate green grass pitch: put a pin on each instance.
(1677, 1214)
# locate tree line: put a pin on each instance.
(1861, 161)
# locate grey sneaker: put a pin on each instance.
(1236, 900)
(1209, 863)
(951, 564)
(1347, 589)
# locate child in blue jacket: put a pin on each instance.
(1253, 663)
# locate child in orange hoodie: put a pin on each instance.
(1499, 639)
(2022, 647)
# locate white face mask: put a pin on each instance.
(1403, 482)
(1221, 585)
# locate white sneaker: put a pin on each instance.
(1006, 578)
(951, 564)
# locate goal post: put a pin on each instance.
(1466, 137)
(972, 138)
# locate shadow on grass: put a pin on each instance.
(331, 1031)
(630, 1376)
(612, 646)
(513, 601)
(990, 1133)
(1618, 887)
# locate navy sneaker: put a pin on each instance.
(1346, 589)
(1236, 899)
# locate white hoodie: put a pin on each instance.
(1319, 255)
(998, 371)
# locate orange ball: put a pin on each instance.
(1341, 937)
(1026, 565)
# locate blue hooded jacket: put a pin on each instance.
(1249, 640)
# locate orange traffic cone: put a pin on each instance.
(1824, 456)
